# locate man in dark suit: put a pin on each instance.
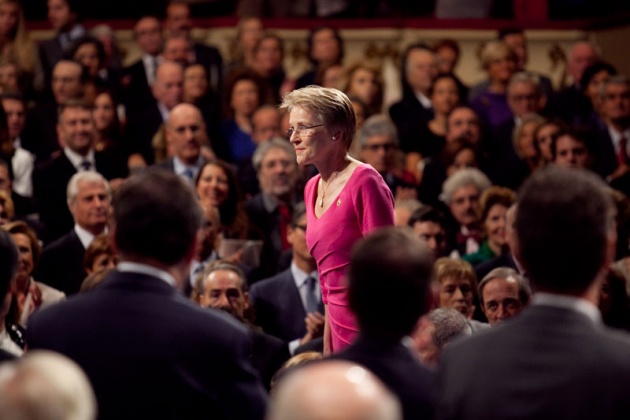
(61, 263)
(75, 130)
(185, 134)
(65, 20)
(270, 210)
(146, 350)
(224, 287)
(556, 359)
(40, 134)
(139, 77)
(612, 159)
(414, 110)
(178, 20)
(145, 123)
(288, 305)
(388, 290)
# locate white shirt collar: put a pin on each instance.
(615, 136)
(424, 100)
(180, 167)
(164, 111)
(85, 236)
(149, 270)
(568, 302)
(76, 158)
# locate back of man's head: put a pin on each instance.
(333, 390)
(565, 229)
(45, 386)
(156, 217)
(388, 282)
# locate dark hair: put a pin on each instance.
(336, 35)
(233, 216)
(403, 68)
(447, 43)
(388, 282)
(8, 261)
(262, 88)
(504, 32)
(156, 216)
(299, 210)
(593, 69)
(427, 214)
(580, 134)
(563, 223)
(446, 76)
(87, 39)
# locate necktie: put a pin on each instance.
(312, 304)
(285, 219)
(188, 173)
(85, 165)
(462, 237)
(622, 156)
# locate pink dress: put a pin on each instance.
(364, 204)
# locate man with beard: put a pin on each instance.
(223, 286)
(270, 210)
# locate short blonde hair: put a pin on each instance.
(453, 267)
(495, 50)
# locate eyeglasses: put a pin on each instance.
(302, 130)
(302, 227)
(374, 147)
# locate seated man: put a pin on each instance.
(503, 294)
(428, 224)
(223, 286)
(438, 329)
(61, 264)
(289, 305)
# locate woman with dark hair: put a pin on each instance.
(592, 79)
(90, 52)
(614, 302)
(244, 92)
(217, 186)
(108, 131)
(324, 46)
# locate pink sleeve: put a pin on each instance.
(374, 202)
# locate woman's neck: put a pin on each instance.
(334, 165)
(438, 124)
(495, 248)
(244, 122)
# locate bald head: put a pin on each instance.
(186, 132)
(332, 390)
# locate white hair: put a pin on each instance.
(84, 176)
(44, 385)
(461, 178)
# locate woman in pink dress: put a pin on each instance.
(346, 201)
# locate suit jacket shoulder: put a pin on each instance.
(61, 264)
(395, 365)
(150, 353)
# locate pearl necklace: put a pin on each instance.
(325, 187)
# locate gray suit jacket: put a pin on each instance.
(548, 363)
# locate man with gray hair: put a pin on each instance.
(524, 97)
(333, 390)
(613, 151)
(377, 145)
(460, 193)
(61, 263)
(270, 210)
(438, 329)
(503, 294)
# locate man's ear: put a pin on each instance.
(246, 299)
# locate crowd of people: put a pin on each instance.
(337, 254)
